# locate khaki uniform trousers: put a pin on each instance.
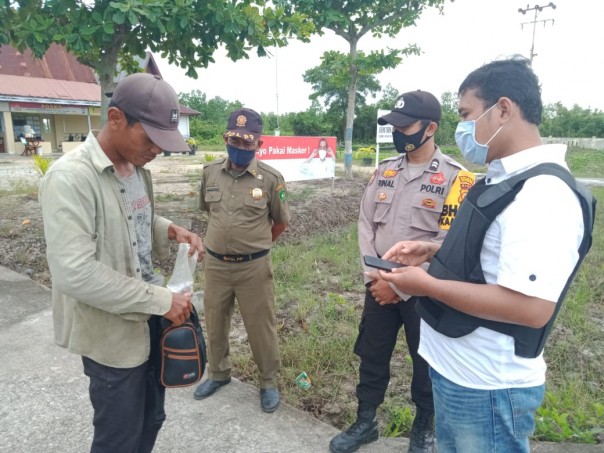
(251, 283)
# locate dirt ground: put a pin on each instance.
(316, 206)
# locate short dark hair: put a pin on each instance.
(513, 78)
(129, 118)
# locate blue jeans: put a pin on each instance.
(483, 421)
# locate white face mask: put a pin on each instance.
(465, 137)
(322, 154)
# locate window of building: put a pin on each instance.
(20, 123)
(46, 124)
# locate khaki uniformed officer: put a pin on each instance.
(246, 202)
(411, 196)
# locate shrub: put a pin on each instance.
(364, 153)
(41, 164)
(192, 143)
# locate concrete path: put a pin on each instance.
(44, 406)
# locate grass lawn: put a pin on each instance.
(319, 302)
(319, 298)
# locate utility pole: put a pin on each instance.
(537, 9)
(278, 130)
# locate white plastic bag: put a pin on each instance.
(182, 278)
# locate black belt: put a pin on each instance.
(238, 258)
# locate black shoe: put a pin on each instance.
(208, 387)
(269, 399)
(422, 433)
(363, 431)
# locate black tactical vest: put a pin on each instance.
(459, 257)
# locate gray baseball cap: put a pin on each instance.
(153, 102)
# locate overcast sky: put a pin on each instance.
(569, 57)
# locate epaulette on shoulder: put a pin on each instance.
(218, 160)
(448, 159)
(269, 169)
(390, 159)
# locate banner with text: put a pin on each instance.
(299, 158)
(33, 107)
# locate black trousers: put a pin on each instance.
(128, 403)
(378, 332)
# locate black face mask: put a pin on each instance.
(409, 143)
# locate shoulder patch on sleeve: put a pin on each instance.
(462, 183)
(282, 191)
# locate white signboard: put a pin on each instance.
(383, 133)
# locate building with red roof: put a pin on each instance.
(53, 102)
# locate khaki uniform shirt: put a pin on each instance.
(242, 209)
(398, 206)
(100, 302)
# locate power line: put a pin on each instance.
(537, 9)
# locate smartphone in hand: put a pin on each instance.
(378, 263)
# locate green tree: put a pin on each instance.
(388, 98)
(107, 35)
(353, 19)
(445, 135)
(272, 122)
(559, 121)
(366, 116)
(330, 80)
(365, 124)
(209, 126)
(311, 122)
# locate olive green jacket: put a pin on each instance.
(100, 302)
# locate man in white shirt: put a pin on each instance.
(487, 366)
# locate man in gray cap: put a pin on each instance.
(101, 231)
(413, 195)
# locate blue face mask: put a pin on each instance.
(240, 157)
(465, 137)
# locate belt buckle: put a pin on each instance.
(232, 259)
